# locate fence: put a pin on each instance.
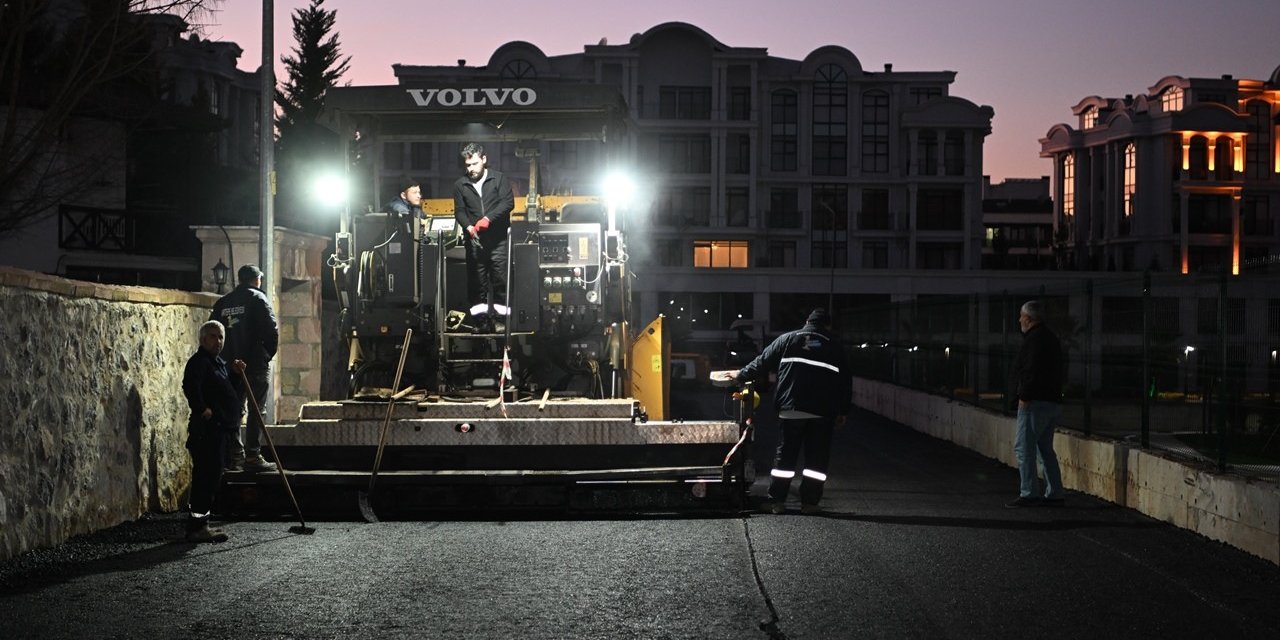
(1182, 362)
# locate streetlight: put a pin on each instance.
(220, 271)
(831, 283)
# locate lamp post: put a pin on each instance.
(220, 275)
(1186, 369)
(831, 282)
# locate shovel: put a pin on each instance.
(366, 497)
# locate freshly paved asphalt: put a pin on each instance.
(916, 544)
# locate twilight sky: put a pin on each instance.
(1031, 60)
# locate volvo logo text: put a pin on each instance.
(486, 97)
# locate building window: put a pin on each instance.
(739, 103)
(1171, 99)
(921, 95)
(1130, 177)
(783, 130)
(685, 206)
(875, 254)
(1255, 216)
(927, 153)
(518, 70)
(875, 210)
(830, 121)
(737, 154)
(670, 254)
(684, 154)
(420, 155)
(1208, 214)
(1068, 186)
(1090, 118)
(784, 208)
(828, 254)
(875, 132)
(830, 207)
(720, 254)
(940, 210)
(1222, 158)
(953, 153)
(782, 253)
(736, 207)
(829, 211)
(1258, 146)
(938, 255)
(1198, 163)
(684, 103)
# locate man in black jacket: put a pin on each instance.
(482, 204)
(813, 395)
(215, 413)
(252, 336)
(1038, 388)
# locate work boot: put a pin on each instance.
(202, 533)
(776, 508)
(258, 464)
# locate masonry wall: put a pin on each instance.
(92, 417)
(1242, 512)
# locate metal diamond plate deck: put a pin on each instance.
(495, 432)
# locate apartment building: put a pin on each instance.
(1182, 178)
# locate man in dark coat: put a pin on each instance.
(210, 388)
(252, 336)
(1037, 375)
(482, 204)
(814, 391)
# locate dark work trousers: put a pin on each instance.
(207, 444)
(814, 436)
(250, 446)
(487, 269)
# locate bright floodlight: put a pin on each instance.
(619, 189)
(330, 189)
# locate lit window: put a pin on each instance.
(1130, 177)
(720, 254)
(1090, 118)
(1171, 100)
(1068, 186)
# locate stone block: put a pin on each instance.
(308, 330)
(297, 356)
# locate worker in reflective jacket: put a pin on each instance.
(812, 397)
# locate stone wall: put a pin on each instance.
(92, 417)
(1239, 511)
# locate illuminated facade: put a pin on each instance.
(773, 184)
(1184, 178)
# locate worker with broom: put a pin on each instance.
(215, 412)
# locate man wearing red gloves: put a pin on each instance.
(482, 204)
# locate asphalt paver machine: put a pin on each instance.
(563, 402)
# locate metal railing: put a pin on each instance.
(1181, 362)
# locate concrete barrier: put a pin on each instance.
(1240, 511)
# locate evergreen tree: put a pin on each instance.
(303, 147)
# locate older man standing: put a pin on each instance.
(1037, 375)
(215, 413)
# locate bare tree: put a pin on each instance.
(58, 59)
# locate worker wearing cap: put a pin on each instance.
(252, 336)
(812, 397)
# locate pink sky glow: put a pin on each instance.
(1031, 60)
